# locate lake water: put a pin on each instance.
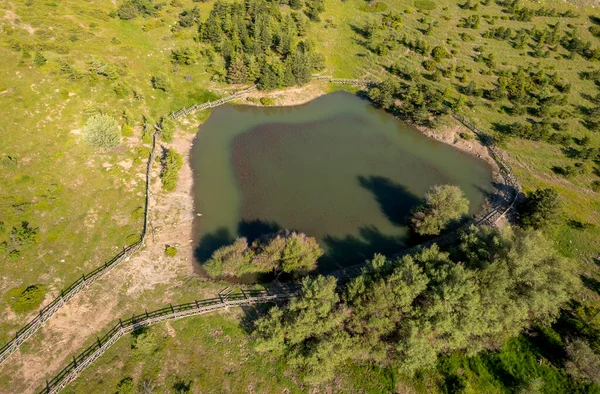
(337, 169)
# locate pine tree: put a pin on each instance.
(237, 71)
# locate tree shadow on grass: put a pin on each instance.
(395, 201)
(252, 313)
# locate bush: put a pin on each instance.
(25, 300)
(126, 131)
(126, 386)
(102, 131)
(167, 129)
(170, 251)
(267, 101)
(438, 53)
(39, 60)
(24, 235)
(429, 65)
(172, 163)
(161, 82)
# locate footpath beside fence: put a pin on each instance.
(195, 308)
(87, 279)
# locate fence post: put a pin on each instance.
(172, 309)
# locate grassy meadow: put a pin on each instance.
(85, 203)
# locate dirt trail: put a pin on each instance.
(119, 292)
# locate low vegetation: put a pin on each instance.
(171, 164)
(102, 131)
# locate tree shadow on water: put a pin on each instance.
(351, 250)
(395, 201)
(211, 242)
(256, 228)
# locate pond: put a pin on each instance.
(337, 169)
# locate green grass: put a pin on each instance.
(87, 205)
(74, 193)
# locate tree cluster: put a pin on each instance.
(411, 309)
(255, 43)
(288, 252)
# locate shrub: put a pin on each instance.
(438, 53)
(121, 90)
(167, 129)
(161, 82)
(25, 300)
(596, 186)
(172, 163)
(126, 386)
(24, 235)
(39, 60)
(466, 136)
(187, 56)
(102, 131)
(126, 131)
(170, 251)
(267, 101)
(429, 65)
(442, 205)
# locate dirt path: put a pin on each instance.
(148, 280)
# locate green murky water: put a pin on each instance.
(336, 168)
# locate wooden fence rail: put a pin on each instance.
(210, 104)
(86, 279)
(171, 312)
(49, 310)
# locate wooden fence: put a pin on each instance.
(49, 310)
(86, 279)
(210, 104)
(101, 345)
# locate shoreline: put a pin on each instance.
(183, 143)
